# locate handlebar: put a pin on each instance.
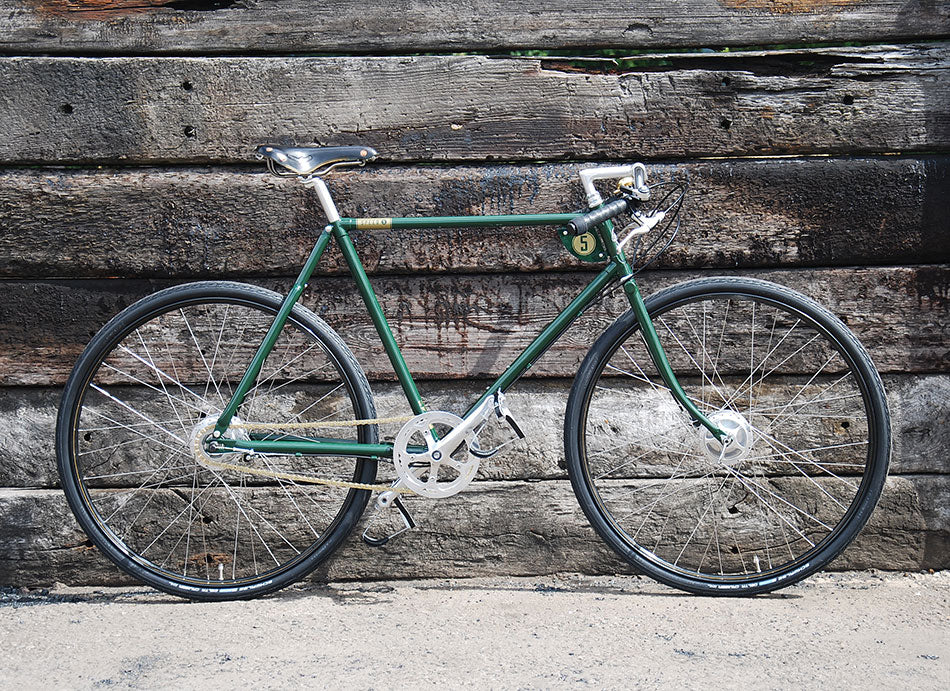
(582, 224)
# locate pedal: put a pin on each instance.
(385, 501)
(503, 413)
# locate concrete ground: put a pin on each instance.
(853, 630)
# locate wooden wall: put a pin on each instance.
(125, 165)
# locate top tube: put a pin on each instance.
(458, 221)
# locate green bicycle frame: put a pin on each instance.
(617, 269)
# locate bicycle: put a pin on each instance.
(724, 436)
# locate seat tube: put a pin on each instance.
(378, 318)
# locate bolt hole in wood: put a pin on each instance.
(848, 100)
(187, 86)
(189, 131)
(726, 81)
(66, 109)
(725, 123)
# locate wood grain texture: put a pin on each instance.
(919, 406)
(455, 108)
(197, 222)
(465, 326)
(275, 26)
(512, 528)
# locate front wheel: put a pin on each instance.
(786, 380)
(136, 406)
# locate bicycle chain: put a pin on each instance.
(206, 459)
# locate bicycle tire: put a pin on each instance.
(156, 373)
(781, 503)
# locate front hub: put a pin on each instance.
(739, 438)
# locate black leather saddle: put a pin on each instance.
(303, 160)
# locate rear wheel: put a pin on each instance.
(791, 385)
(150, 384)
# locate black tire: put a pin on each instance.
(774, 508)
(124, 442)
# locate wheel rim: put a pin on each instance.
(132, 438)
(779, 379)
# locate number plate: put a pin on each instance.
(586, 247)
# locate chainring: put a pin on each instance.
(433, 473)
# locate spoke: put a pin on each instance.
(201, 355)
(171, 523)
(643, 376)
(812, 480)
(132, 491)
(108, 428)
(753, 486)
(846, 397)
(739, 389)
(772, 441)
(703, 374)
(293, 501)
(161, 374)
(144, 383)
(217, 346)
(135, 472)
(111, 447)
(254, 389)
(699, 523)
(705, 356)
(262, 518)
(658, 387)
(739, 392)
(778, 415)
(134, 412)
(160, 381)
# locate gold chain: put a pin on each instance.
(204, 458)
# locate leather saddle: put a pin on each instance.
(303, 160)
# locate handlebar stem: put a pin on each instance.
(636, 170)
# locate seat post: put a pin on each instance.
(323, 194)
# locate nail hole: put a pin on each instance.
(725, 124)
(87, 436)
(726, 81)
(187, 86)
(733, 509)
(206, 519)
(190, 132)
(848, 100)
(66, 109)
(845, 424)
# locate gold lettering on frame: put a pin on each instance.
(374, 223)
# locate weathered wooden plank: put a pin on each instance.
(432, 108)
(473, 325)
(919, 405)
(204, 223)
(494, 528)
(162, 26)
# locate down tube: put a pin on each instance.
(551, 333)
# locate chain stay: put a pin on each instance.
(206, 459)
